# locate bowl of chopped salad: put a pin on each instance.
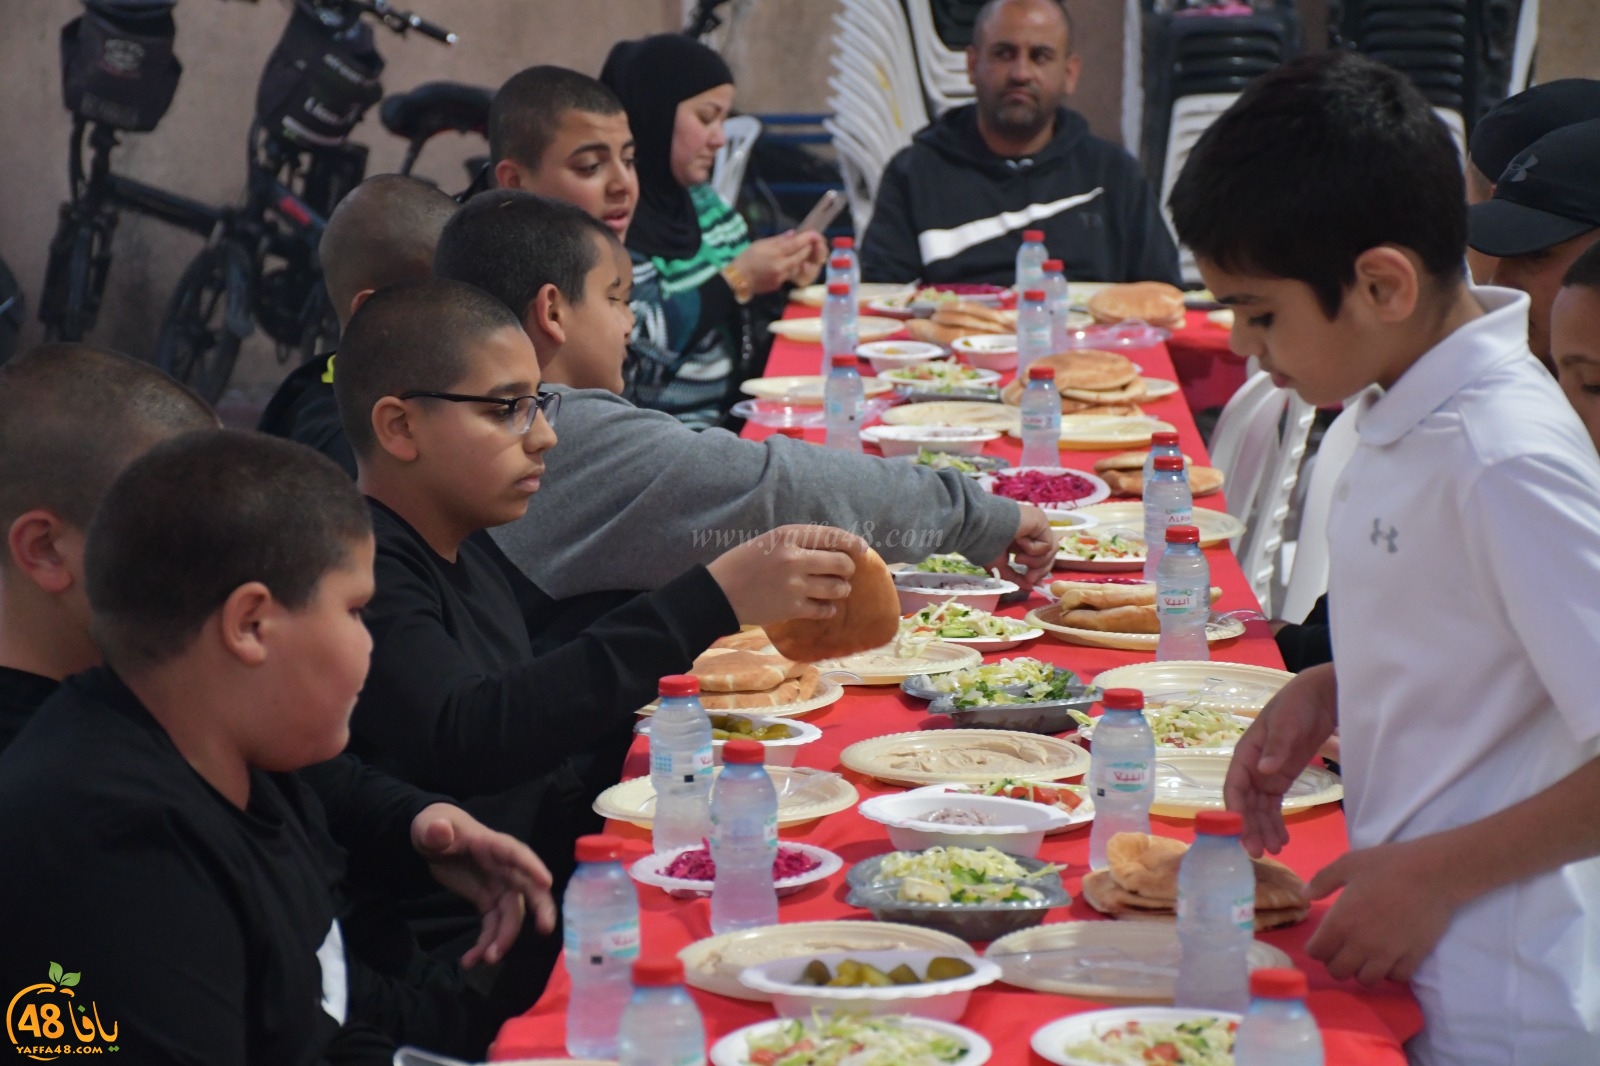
(974, 466)
(1023, 694)
(1138, 1036)
(912, 440)
(961, 623)
(852, 1040)
(1186, 727)
(919, 589)
(897, 355)
(926, 984)
(919, 819)
(1071, 800)
(944, 373)
(1103, 549)
(975, 894)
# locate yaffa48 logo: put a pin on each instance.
(47, 1020)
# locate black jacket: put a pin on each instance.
(1094, 204)
(304, 409)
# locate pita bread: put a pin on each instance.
(925, 329)
(1141, 882)
(1154, 302)
(1146, 864)
(1133, 390)
(792, 690)
(737, 670)
(1090, 370)
(753, 638)
(867, 618)
(981, 317)
(1127, 461)
(1131, 619)
(1101, 891)
(1012, 394)
(1124, 482)
(1204, 480)
(1102, 595)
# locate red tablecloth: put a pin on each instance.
(1361, 1027)
(1206, 367)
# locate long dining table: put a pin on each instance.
(1360, 1026)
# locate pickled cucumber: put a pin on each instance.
(904, 975)
(815, 973)
(735, 727)
(945, 968)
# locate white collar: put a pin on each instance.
(1498, 337)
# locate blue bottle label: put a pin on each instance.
(689, 766)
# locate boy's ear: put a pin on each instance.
(1388, 282)
(35, 541)
(358, 299)
(391, 425)
(509, 175)
(548, 313)
(242, 621)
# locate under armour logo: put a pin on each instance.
(1378, 534)
(1519, 171)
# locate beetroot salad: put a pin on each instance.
(696, 865)
(1037, 487)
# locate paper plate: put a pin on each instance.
(971, 375)
(809, 330)
(1052, 1041)
(1103, 960)
(881, 666)
(1099, 433)
(1081, 815)
(1099, 490)
(1157, 388)
(1215, 526)
(648, 871)
(714, 964)
(866, 292)
(1236, 688)
(1188, 783)
(956, 413)
(958, 756)
(826, 696)
(1216, 632)
(634, 800)
(806, 388)
(985, 645)
(734, 1049)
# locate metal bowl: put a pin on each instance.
(969, 921)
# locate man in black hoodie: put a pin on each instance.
(954, 205)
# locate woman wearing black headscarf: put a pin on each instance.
(695, 267)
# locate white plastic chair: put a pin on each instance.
(1308, 576)
(943, 71)
(1191, 116)
(1258, 444)
(727, 173)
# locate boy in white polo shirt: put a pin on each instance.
(1326, 208)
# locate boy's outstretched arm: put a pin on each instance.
(1399, 898)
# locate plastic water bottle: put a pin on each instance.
(1033, 329)
(843, 397)
(1057, 298)
(1183, 598)
(840, 327)
(744, 840)
(1041, 418)
(1167, 502)
(680, 765)
(600, 932)
(1164, 443)
(1216, 916)
(1030, 260)
(661, 1026)
(1277, 1030)
(1122, 771)
(845, 248)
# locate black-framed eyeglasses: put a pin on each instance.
(520, 411)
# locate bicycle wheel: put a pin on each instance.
(196, 345)
(66, 306)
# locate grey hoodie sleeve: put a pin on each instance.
(633, 498)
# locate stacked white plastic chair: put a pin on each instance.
(727, 174)
(1191, 115)
(876, 96)
(1308, 566)
(1258, 444)
(944, 70)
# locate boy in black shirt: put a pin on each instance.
(155, 834)
(71, 417)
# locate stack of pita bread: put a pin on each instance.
(1141, 883)
(1154, 302)
(1107, 607)
(1124, 472)
(1091, 382)
(744, 671)
(961, 318)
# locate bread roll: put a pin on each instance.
(868, 618)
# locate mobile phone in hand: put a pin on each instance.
(822, 215)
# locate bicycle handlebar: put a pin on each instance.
(402, 21)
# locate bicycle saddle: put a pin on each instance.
(434, 107)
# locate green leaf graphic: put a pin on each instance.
(82, 1011)
(70, 979)
(55, 972)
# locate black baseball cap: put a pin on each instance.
(1548, 194)
(1518, 121)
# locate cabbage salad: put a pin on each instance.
(962, 875)
(885, 1040)
(1199, 1042)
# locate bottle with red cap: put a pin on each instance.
(844, 266)
(1183, 597)
(662, 1025)
(744, 840)
(1122, 767)
(1161, 444)
(1041, 418)
(680, 765)
(844, 399)
(1167, 502)
(1277, 1030)
(1030, 260)
(841, 327)
(1058, 301)
(600, 934)
(1033, 329)
(1216, 916)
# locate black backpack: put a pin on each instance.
(117, 65)
(319, 81)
